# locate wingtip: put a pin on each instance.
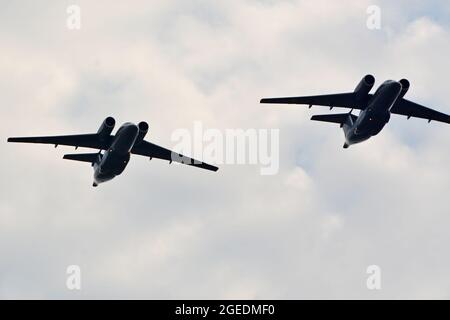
(210, 167)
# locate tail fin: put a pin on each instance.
(84, 157)
(339, 118)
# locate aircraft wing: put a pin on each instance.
(79, 140)
(151, 150)
(340, 100)
(412, 109)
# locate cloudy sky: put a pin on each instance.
(161, 231)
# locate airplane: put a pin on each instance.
(375, 109)
(129, 139)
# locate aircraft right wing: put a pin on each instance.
(80, 140)
(412, 109)
(340, 100)
(151, 150)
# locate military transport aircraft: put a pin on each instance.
(129, 139)
(375, 109)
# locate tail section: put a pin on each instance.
(84, 157)
(340, 118)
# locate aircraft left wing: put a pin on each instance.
(412, 109)
(340, 100)
(151, 150)
(79, 140)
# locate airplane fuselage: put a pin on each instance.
(114, 161)
(373, 118)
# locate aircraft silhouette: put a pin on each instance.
(128, 140)
(376, 109)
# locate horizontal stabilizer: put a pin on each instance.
(83, 157)
(339, 118)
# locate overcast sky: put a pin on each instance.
(161, 231)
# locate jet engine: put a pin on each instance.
(364, 87)
(143, 129)
(106, 128)
(405, 87)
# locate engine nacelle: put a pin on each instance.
(143, 129)
(405, 87)
(364, 87)
(106, 128)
